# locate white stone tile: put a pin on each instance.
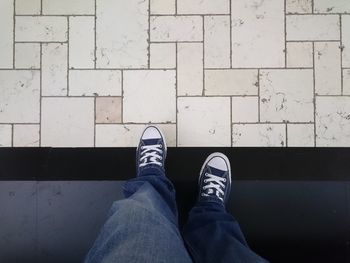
(298, 6)
(204, 121)
(41, 28)
(333, 121)
(231, 82)
(81, 41)
(346, 81)
(189, 69)
(217, 44)
(108, 110)
(163, 55)
(128, 135)
(346, 40)
(5, 135)
(303, 27)
(299, 54)
(20, 96)
(203, 7)
(68, 7)
(331, 6)
(95, 83)
(149, 96)
(27, 55)
(54, 69)
(257, 34)
(176, 28)
(245, 109)
(258, 135)
(28, 7)
(122, 34)
(300, 135)
(6, 33)
(163, 7)
(26, 135)
(67, 122)
(286, 95)
(327, 68)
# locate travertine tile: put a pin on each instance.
(346, 40)
(163, 55)
(203, 7)
(20, 96)
(6, 33)
(299, 54)
(26, 135)
(245, 109)
(257, 34)
(327, 68)
(81, 41)
(298, 6)
(333, 121)
(41, 28)
(204, 121)
(27, 55)
(217, 44)
(149, 96)
(163, 7)
(286, 95)
(28, 7)
(5, 135)
(302, 27)
(300, 135)
(54, 69)
(128, 135)
(68, 7)
(122, 34)
(346, 81)
(331, 6)
(108, 110)
(67, 122)
(95, 83)
(189, 69)
(231, 82)
(176, 28)
(263, 135)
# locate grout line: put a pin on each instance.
(68, 54)
(219, 96)
(95, 39)
(314, 90)
(271, 122)
(174, 123)
(179, 41)
(231, 126)
(176, 90)
(39, 42)
(258, 95)
(316, 14)
(285, 34)
(341, 57)
(149, 36)
(286, 134)
(258, 68)
(45, 15)
(175, 7)
(12, 131)
(95, 122)
(41, 7)
(202, 14)
(307, 41)
(135, 123)
(14, 36)
(40, 100)
(19, 123)
(203, 72)
(122, 99)
(230, 34)
(312, 6)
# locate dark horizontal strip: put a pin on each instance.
(183, 164)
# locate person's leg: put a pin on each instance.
(211, 234)
(143, 227)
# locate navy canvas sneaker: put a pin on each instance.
(151, 151)
(215, 178)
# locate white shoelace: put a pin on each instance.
(151, 154)
(213, 182)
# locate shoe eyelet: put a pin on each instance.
(206, 174)
(160, 145)
(224, 179)
(205, 180)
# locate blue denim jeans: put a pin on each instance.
(144, 228)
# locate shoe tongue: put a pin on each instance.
(216, 171)
(151, 141)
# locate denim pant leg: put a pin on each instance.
(143, 227)
(213, 235)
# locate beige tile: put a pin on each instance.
(176, 28)
(204, 121)
(302, 27)
(298, 6)
(300, 135)
(330, 6)
(20, 96)
(95, 83)
(128, 135)
(149, 96)
(162, 7)
(333, 121)
(189, 69)
(5, 135)
(203, 7)
(346, 81)
(327, 68)
(346, 40)
(28, 7)
(109, 110)
(6, 32)
(68, 7)
(67, 122)
(245, 109)
(286, 95)
(163, 55)
(27, 55)
(26, 135)
(299, 54)
(231, 82)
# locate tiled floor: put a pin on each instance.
(86, 73)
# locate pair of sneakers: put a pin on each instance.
(215, 175)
